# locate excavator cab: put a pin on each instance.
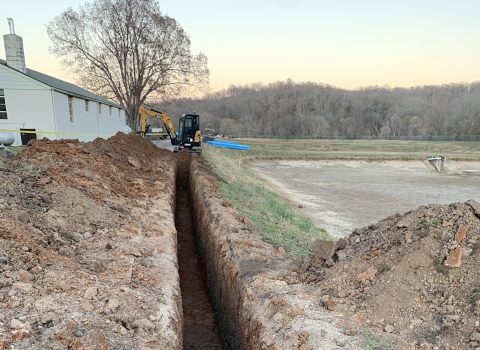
(189, 134)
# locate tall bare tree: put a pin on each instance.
(127, 51)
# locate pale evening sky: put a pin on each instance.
(344, 43)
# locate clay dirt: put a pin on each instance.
(88, 260)
(87, 246)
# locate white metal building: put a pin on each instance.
(55, 109)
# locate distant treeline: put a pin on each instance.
(286, 109)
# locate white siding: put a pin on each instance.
(85, 127)
(11, 79)
(122, 116)
(28, 109)
(88, 125)
(110, 125)
(33, 105)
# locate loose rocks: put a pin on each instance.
(76, 221)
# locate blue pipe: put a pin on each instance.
(225, 143)
(230, 145)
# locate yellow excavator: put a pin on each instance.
(188, 135)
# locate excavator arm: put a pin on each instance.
(189, 135)
(144, 111)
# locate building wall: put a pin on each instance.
(123, 116)
(111, 123)
(28, 109)
(84, 126)
(33, 105)
(29, 103)
(10, 79)
(88, 125)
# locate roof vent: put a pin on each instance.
(14, 49)
(10, 24)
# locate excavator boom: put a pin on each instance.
(189, 135)
(144, 111)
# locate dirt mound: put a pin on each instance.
(413, 275)
(87, 246)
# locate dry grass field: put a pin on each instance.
(358, 149)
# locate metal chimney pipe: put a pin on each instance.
(10, 24)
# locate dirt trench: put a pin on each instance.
(226, 264)
(199, 328)
(406, 282)
(88, 259)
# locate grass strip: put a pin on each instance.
(375, 150)
(249, 195)
(16, 149)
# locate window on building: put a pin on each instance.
(99, 108)
(3, 106)
(110, 110)
(87, 106)
(70, 109)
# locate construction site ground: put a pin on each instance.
(88, 260)
(88, 246)
(343, 195)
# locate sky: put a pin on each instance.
(344, 43)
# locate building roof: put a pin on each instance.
(65, 87)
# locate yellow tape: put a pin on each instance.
(54, 133)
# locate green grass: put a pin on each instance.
(274, 216)
(359, 149)
(475, 295)
(15, 149)
(265, 209)
(426, 224)
(371, 341)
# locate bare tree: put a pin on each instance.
(127, 51)
(227, 125)
(287, 109)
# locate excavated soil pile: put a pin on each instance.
(414, 276)
(87, 246)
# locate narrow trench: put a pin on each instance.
(199, 328)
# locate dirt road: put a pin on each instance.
(165, 144)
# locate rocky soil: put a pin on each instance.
(88, 261)
(408, 282)
(88, 246)
(414, 276)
